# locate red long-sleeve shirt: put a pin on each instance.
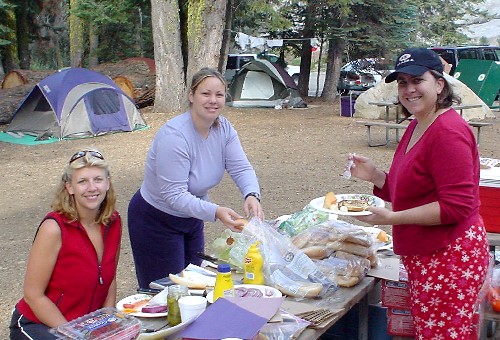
(442, 166)
(79, 283)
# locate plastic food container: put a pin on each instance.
(105, 323)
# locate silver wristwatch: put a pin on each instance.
(254, 194)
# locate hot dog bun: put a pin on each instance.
(306, 290)
(192, 280)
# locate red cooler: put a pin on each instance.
(489, 194)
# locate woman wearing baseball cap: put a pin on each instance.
(433, 185)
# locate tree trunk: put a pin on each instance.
(22, 34)
(170, 79)
(9, 52)
(334, 63)
(305, 56)
(93, 45)
(205, 27)
(135, 76)
(51, 24)
(226, 37)
(22, 77)
(75, 37)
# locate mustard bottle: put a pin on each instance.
(223, 282)
(253, 266)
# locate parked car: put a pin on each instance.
(453, 54)
(361, 74)
(235, 62)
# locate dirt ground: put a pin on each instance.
(298, 154)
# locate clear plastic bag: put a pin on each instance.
(303, 220)
(289, 328)
(285, 267)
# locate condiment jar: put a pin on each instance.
(223, 282)
(253, 265)
(175, 292)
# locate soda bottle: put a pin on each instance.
(253, 266)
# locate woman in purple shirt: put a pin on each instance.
(188, 156)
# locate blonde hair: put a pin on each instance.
(64, 203)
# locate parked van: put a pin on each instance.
(453, 54)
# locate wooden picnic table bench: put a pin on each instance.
(386, 125)
(478, 126)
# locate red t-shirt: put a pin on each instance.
(442, 166)
(79, 283)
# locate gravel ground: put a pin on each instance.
(298, 154)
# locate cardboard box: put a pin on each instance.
(490, 205)
(400, 322)
(396, 294)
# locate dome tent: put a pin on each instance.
(75, 103)
(260, 83)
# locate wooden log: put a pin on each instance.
(22, 77)
(135, 76)
(10, 99)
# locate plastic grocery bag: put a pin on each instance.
(286, 268)
(494, 289)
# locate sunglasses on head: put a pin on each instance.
(81, 154)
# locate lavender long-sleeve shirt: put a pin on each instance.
(182, 166)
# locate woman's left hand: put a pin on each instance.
(379, 216)
(252, 205)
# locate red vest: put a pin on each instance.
(79, 283)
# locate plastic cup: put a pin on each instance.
(191, 307)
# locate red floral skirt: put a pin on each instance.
(445, 287)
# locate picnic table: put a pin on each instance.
(398, 123)
(348, 298)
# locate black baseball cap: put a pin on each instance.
(416, 61)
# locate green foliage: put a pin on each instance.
(5, 31)
(439, 21)
(124, 27)
(484, 41)
(255, 17)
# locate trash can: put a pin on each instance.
(347, 106)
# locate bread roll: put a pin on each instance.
(306, 290)
(317, 252)
(352, 248)
(241, 224)
(330, 200)
(192, 280)
(346, 281)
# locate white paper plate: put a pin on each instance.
(162, 333)
(135, 298)
(375, 231)
(266, 291)
(317, 203)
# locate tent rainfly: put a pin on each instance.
(75, 103)
(260, 83)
